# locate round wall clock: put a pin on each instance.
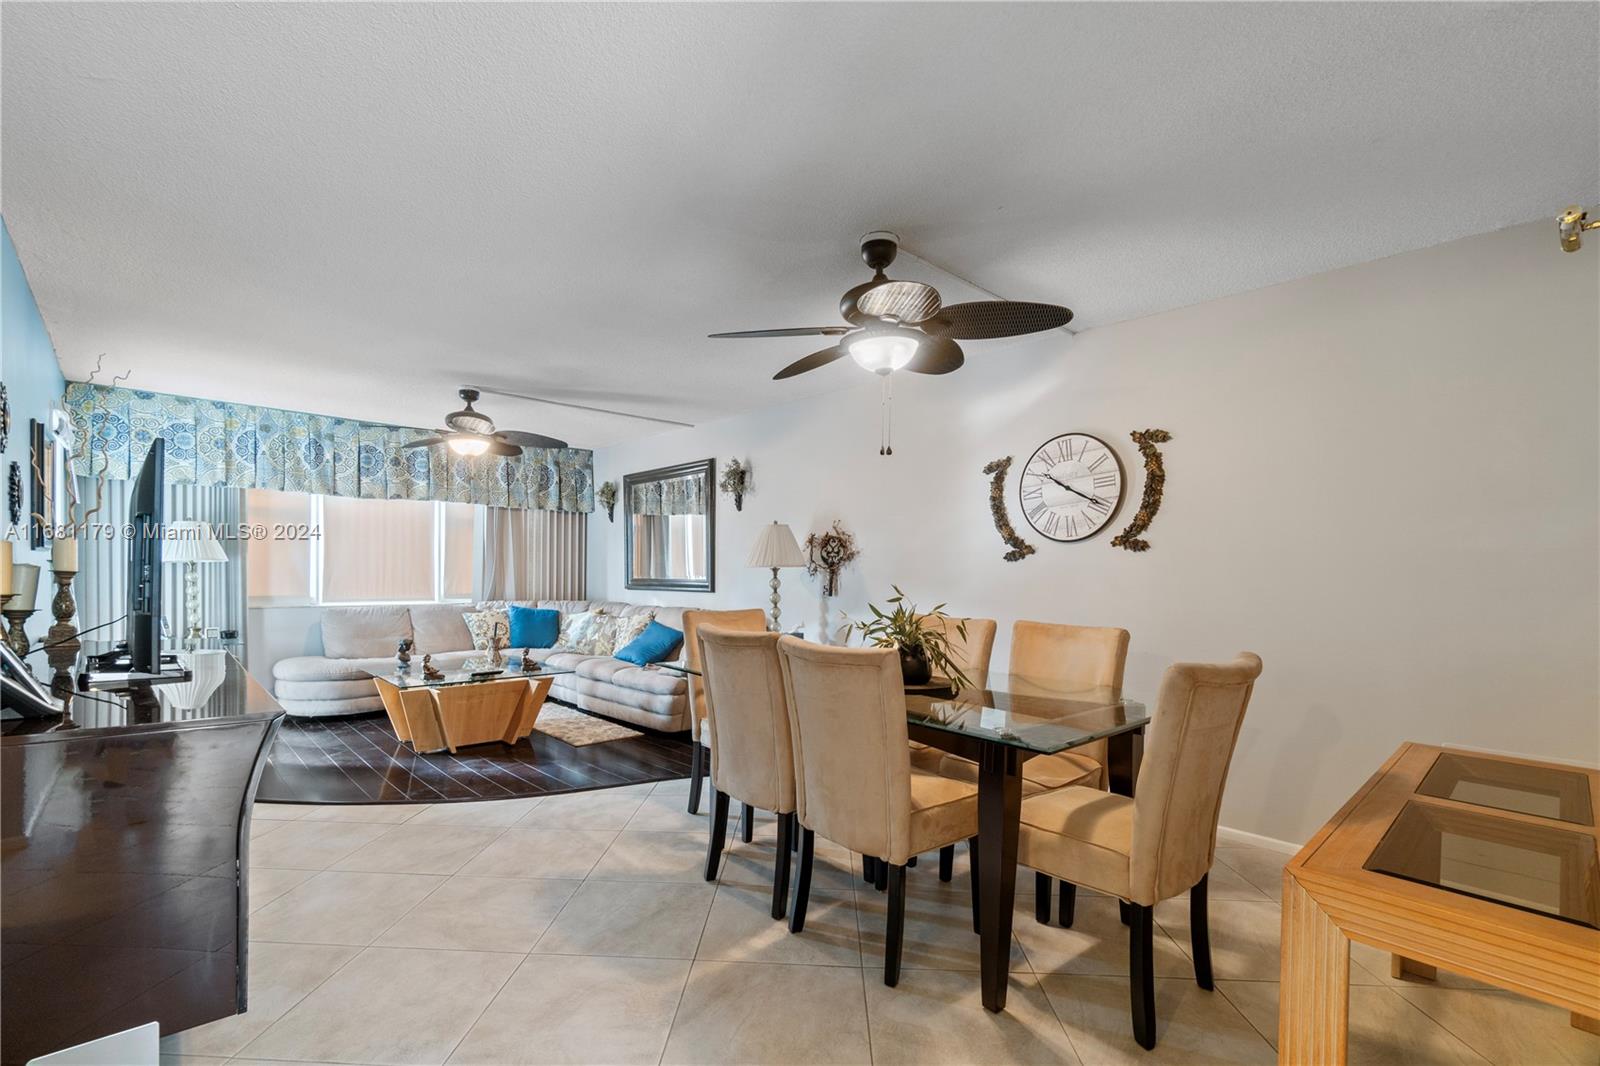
(1071, 487)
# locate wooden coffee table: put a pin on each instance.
(463, 708)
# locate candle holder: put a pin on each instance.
(16, 636)
(61, 642)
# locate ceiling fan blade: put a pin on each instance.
(529, 440)
(425, 442)
(797, 331)
(936, 355)
(810, 362)
(500, 447)
(905, 301)
(987, 319)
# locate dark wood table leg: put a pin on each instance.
(999, 819)
(1123, 753)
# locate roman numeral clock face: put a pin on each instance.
(1071, 487)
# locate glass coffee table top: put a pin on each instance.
(1507, 786)
(468, 676)
(1533, 867)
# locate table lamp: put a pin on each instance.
(775, 548)
(191, 543)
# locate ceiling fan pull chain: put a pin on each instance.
(886, 437)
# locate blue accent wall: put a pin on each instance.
(33, 380)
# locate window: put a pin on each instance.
(335, 549)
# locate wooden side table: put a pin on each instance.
(1483, 865)
(459, 711)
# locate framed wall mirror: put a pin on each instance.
(670, 518)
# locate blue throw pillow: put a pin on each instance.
(534, 627)
(657, 644)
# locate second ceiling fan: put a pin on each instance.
(903, 325)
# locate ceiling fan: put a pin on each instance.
(903, 325)
(471, 432)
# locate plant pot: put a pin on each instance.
(914, 666)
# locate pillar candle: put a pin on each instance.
(64, 556)
(5, 568)
(25, 583)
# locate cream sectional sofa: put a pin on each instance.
(360, 641)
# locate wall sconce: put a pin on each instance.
(1572, 222)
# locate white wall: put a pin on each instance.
(1382, 479)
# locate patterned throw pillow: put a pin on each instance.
(575, 630)
(628, 629)
(481, 625)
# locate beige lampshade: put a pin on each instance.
(191, 542)
(776, 547)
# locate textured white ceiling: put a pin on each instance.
(356, 208)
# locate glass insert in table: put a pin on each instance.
(1508, 786)
(1539, 868)
(1031, 714)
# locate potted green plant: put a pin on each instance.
(923, 648)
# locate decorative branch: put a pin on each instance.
(1155, 478)
(606, 495)
(1020, 549)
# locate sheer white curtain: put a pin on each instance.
(532, 555)
(101, 587)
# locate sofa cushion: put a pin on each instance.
(534, 627)
(657, 644)
(440, 627)
(483, 624)
(363, 632)
(626, 675)
(566, 607)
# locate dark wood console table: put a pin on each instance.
(124, 858)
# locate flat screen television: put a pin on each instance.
(144, 563)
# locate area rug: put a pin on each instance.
(579, 729)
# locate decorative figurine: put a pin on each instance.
(429, 671)
(529, 664)
(402, 655)
(498, 642)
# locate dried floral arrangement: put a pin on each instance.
(923, 645)
(735, 482)
(1155, 477)
(606, 496)
(1020, 549)
(828, 553)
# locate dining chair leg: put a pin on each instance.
(911, 862)
(1068, 904)
(719, 833)
(802, 882)
(1200, 934)
(780, 866)
(697, 775)
(1122, 910)
(869, 870)
(1141, 976)
(894, 935)
(1041, 897)
(747, 823)
(947, 862)
(882, 869)
(972, 876)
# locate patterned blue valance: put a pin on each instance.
(214, 443)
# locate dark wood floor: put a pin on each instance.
(359, 760)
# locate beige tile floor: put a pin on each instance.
(578, 929)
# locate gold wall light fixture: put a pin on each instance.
(1572, 222)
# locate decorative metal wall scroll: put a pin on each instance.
(1155, 477)
(1020, 549)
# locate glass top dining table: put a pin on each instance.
(999, 728)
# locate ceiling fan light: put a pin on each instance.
(882, 351)
(465, 445)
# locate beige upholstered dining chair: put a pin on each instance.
(855, 784)
(1057, 657)
(1159, 842)
(747, 727)
(747, 621)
